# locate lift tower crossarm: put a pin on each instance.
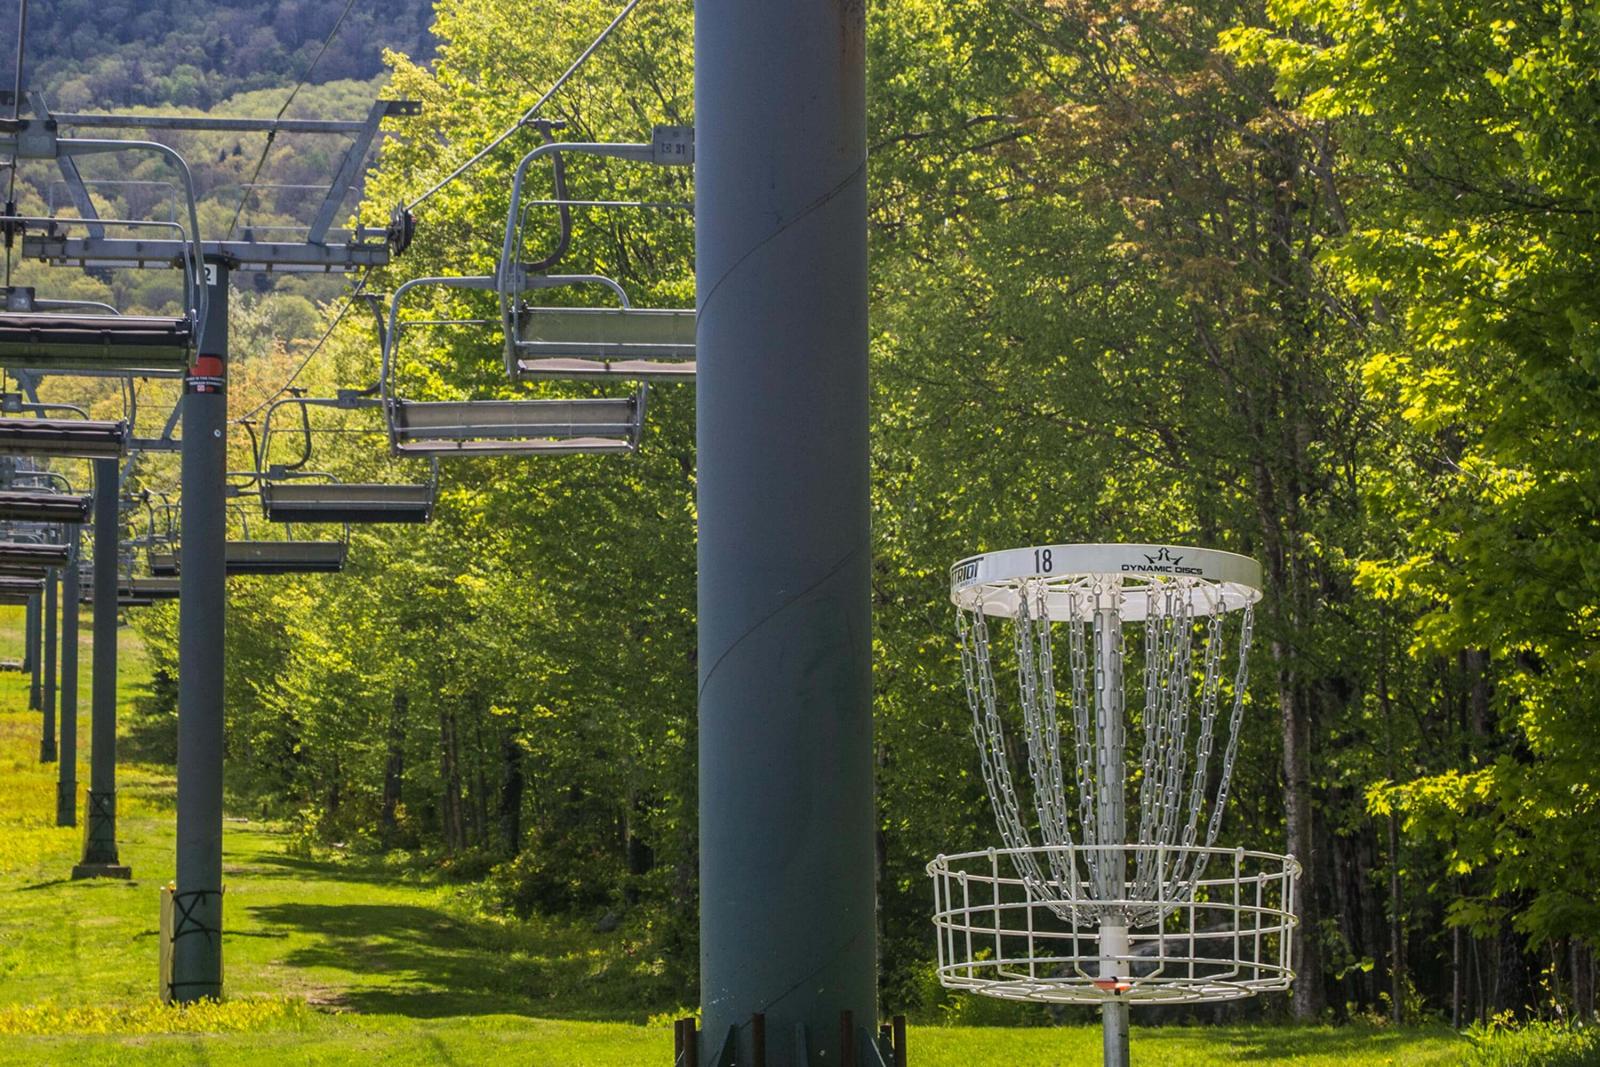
(207, 124)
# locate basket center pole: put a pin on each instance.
(1111, 822)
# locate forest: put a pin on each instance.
(195, 53)
(1309, 281)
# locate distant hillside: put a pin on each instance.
(95, 54)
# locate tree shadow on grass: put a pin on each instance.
(1249, 1044)
(299, 868)
(424, 963)
(149, 728)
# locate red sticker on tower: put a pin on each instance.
(206, 376)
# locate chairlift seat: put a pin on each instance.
(635, 344)
(148, 588)
(163, 564)
(346, 502)
(284, 557)
(20, 587)
(22, 505)
(126, 343)
(73, 438)
(624, 370)
(516, 427)
(32, 554)
(133, 590)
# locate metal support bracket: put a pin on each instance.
(344, 179)
(69, 170)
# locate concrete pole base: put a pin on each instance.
(101, 870)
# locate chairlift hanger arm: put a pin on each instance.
(44, 304)
(69, 172)
(668, 147)
(42, 143)
(391, 335)
(345, 178)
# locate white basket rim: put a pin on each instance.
(991, 578)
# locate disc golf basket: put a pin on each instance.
(1071, 909)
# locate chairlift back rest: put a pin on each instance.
(130, 343)
(78, 438)
(23, 505)
(614, 333)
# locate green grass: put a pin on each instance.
(334, 959)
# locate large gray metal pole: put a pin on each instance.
(787, 917)
(67, 770)
(27, 636)
(202, 598)
(33, 657)
(47, 743)
(100, 840)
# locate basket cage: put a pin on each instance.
(1230, 936)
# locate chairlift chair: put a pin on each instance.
(134, 592)
(143, 588)
(78, 337)
(53, 340)
(625, 342)
(455, 428)
(284, 557)
(290, 493)
(29, 554)
(63, 438)
(39, 505)
(249, 555)
(12, 586)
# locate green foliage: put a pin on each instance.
(1311, 281)
(96, 56)
(1472, 242)
(1533, 1044)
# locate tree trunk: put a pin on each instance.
(1397, 943)
(1456, 964)
(1582, 957)
(453, 829)
(1309, 995)
(511, 786)
(394, 769)
(480, 785)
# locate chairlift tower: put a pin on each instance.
(788, 945)
(192, 925)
